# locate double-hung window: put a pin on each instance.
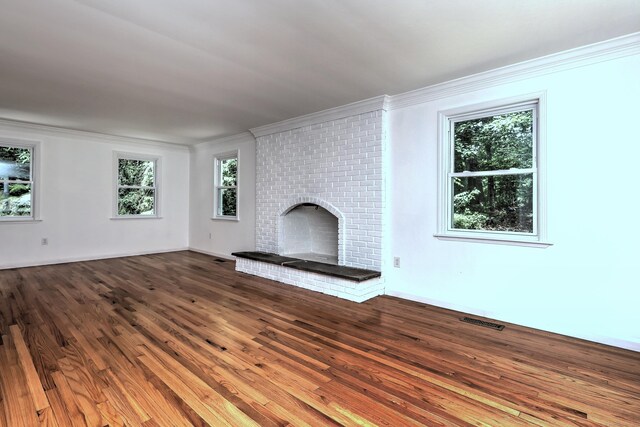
(16, 181)
(490, 174)
(226, 186)
(136, 185)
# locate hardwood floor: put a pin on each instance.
(182, 339)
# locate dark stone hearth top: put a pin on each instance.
(265, 257)
(340, 271)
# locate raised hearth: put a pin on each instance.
(320, 200)
(339, 271)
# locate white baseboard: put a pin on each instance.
(202, 251)
(88, 258)
(607, 340)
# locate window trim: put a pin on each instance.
(35, 147)
(217, 160)
(117, 155)
(446, 120)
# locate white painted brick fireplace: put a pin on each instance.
(334, 159)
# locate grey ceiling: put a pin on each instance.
(192, 70)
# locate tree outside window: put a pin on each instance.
(136, 187)
(226, 198)
(16, 181)
(492, 170)
(492, 183)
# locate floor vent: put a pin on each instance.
(479, 322)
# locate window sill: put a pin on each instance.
(19, 220)
(493, 241)
(226, 218)
(137, 217)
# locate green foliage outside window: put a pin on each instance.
(15, 181)
(227, 197)
(500, 202)
(136, 187)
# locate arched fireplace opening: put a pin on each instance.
(310, 232)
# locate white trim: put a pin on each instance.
(97, 136)
(215, 254)
(231, 154)
(226, 218)
(463, 309)
(538, 238)
(502, 172)
(233, 139)
(619, 47)
(217, 158)
(135, 217)
(157, 184)
(616, 342)
(579, 57)
(360, 107)
(540, 193)
(484, 238)
(36, 181)
(90, 258)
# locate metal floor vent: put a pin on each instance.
(479, 322)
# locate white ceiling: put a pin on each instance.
(191, 70)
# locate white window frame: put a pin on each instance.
(117, 156)
(218, 158)
(34, 147)
(446, 121)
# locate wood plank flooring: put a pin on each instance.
(181, 339)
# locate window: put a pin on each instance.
(226, 186)
(136, 185)
(16, 181)
(491, 173)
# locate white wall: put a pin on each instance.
(76, 201)
(220, 236)
(587, 284)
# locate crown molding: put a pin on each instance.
(232, 139)
(355, 108)
(95, 136)
(579, 57)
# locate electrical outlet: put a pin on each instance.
(396, 262)
(44, 241)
